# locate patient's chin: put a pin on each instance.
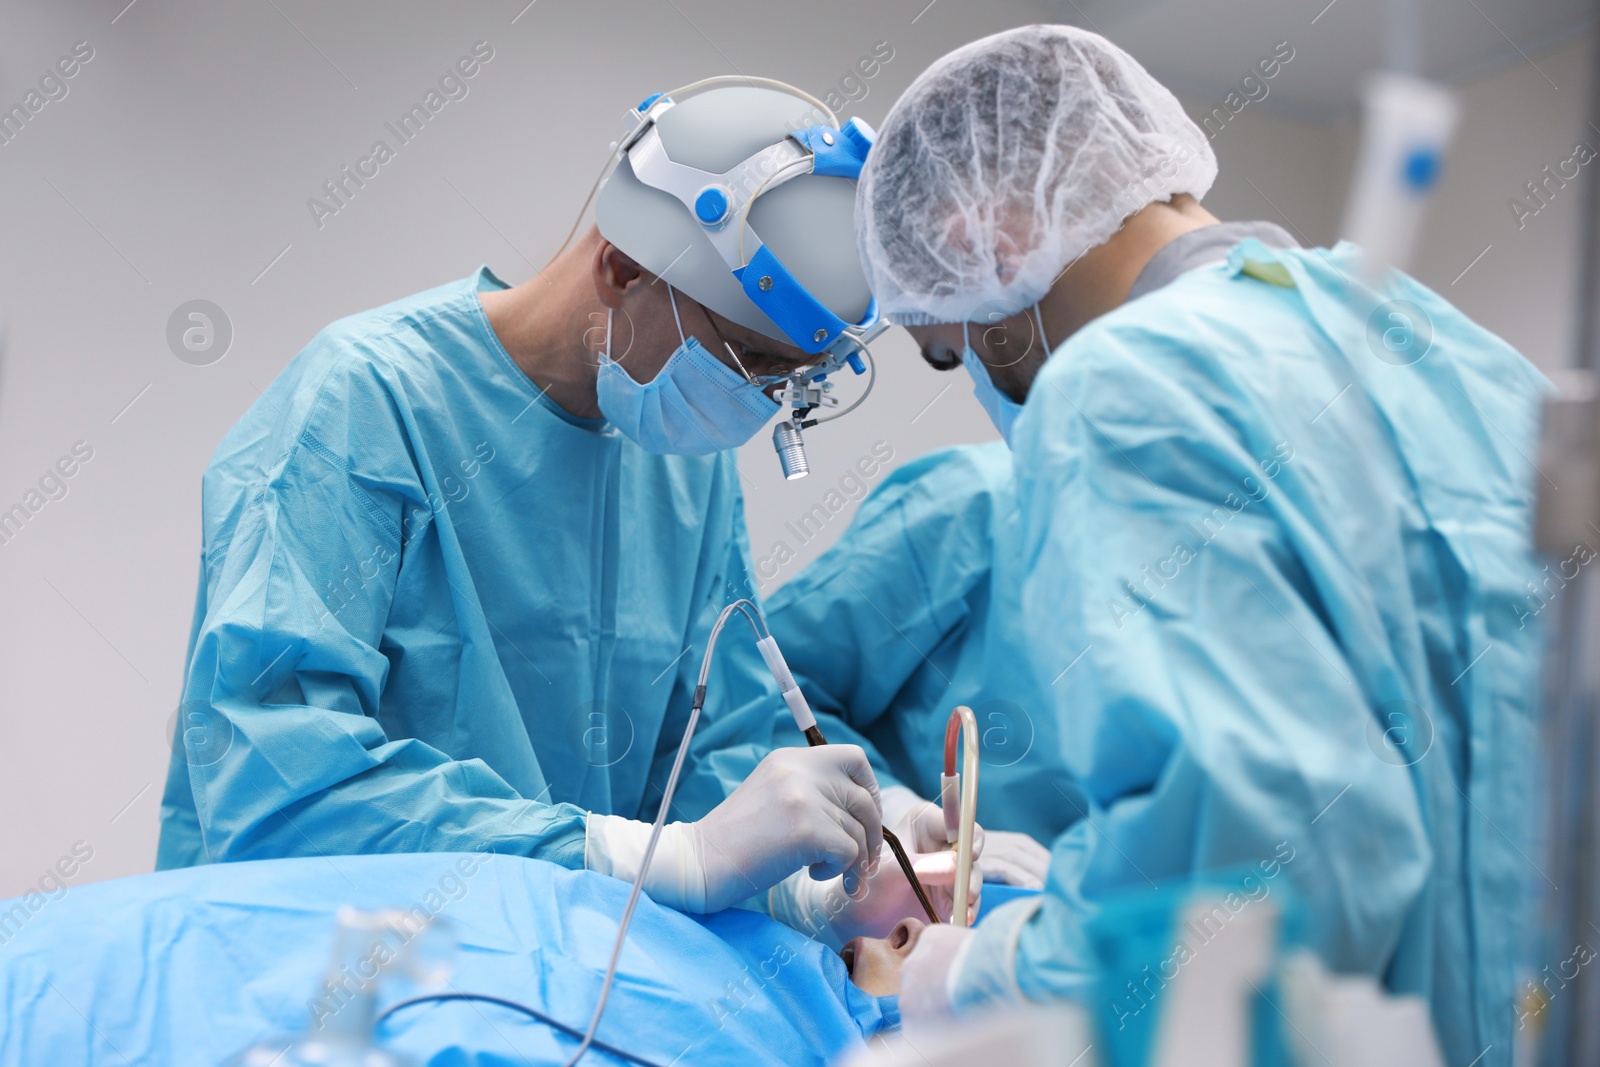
(874, 967)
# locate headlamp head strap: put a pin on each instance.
(716, 200)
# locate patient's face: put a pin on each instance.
(874, 962)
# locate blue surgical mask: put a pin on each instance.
(695, 405)
(1002, 410)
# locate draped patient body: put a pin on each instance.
(191, 966)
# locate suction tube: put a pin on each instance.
(959, 797)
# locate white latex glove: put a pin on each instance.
(800, 807)
(840, 909)
(1012, 858)
(927, 980)
(920, 823)
(1015, 859)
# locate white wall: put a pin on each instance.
(178, 168)
(1276, 169)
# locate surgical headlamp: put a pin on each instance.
(720, 204)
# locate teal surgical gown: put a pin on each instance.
(438, 613)
(914, 611)
(1276, 556)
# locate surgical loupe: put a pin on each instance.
(808, 391)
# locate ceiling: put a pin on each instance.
(1202, 48)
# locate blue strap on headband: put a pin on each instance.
(768, 283)
(845, 155)
(804, 318)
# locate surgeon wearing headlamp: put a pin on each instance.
(460, 559)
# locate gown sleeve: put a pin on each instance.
(281, 736)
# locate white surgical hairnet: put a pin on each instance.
(1008, 159)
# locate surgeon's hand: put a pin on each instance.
(801, 807)
(919, 824)
(1011, 858)
(1015, 859)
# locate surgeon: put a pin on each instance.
(461, 560)
(913, 611)
(1275, 534)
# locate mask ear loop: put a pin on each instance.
(607, 352)
(1038, 316)
(966, 347)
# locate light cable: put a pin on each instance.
(758, 624)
